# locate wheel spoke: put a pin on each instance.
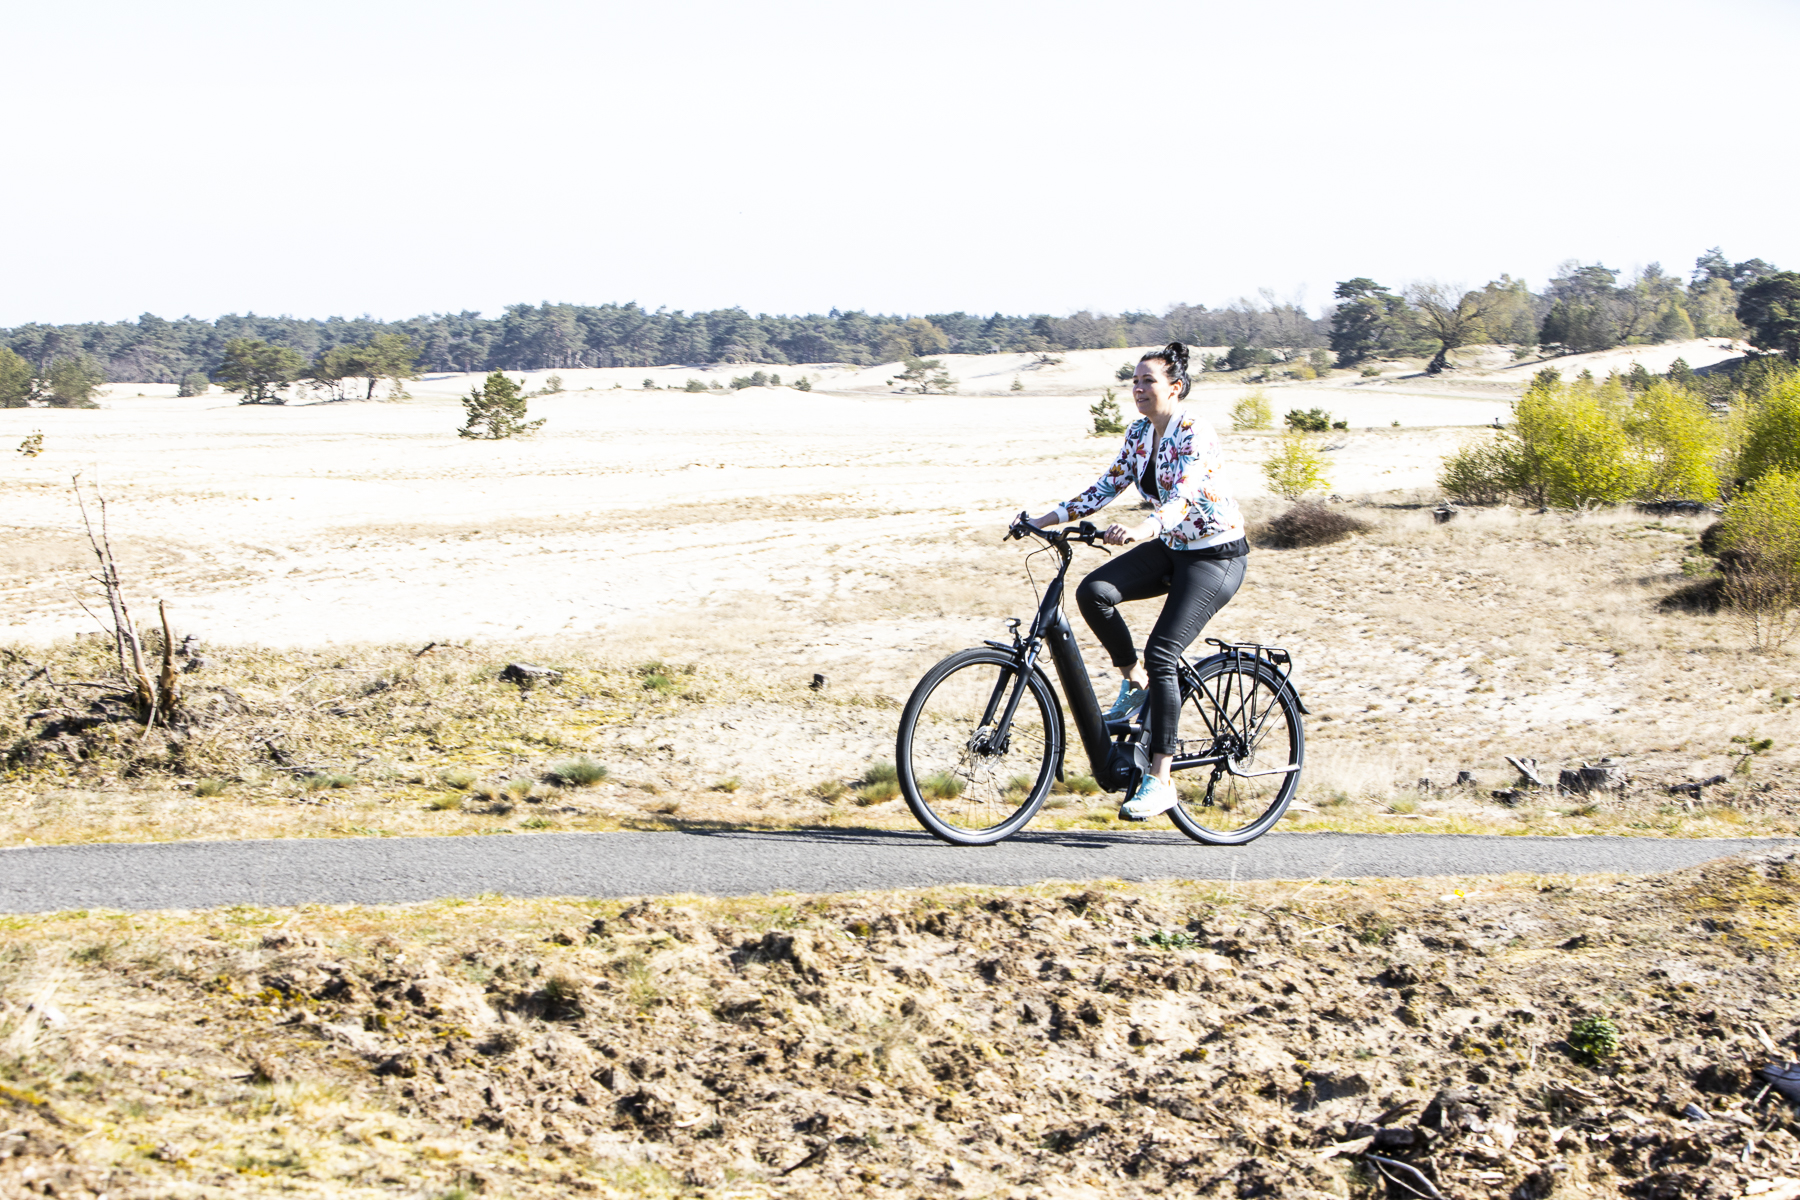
(969, 778)
(1250, 726)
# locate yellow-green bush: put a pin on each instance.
(1772, 431)
(1485, 472)
(1296, 468)
(1252, 412)
(1678, 442)
(1760, 537)
(1585, 442)
(1575, 449)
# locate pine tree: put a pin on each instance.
(1107, 418)
(258, 371)
(496, 410)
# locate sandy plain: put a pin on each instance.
(320, 522)
(758, 537)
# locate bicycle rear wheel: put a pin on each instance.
(1242, 709)
(967, 780)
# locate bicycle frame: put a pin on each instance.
(1230, 701)
(1109, 745)
(1051, 626)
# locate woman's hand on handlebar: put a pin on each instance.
(1120, 535)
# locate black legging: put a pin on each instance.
(1197, 587)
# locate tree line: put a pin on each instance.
(1583, 307)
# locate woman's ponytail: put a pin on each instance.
(1174, 358)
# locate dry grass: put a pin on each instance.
(690, 1046)
(1423, 651)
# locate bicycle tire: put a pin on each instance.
(1245, 699)
(956, 785)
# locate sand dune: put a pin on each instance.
(319, 522)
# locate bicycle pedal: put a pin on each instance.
(1125, 816)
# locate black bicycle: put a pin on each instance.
(982, 737)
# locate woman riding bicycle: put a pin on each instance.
(1192, 550)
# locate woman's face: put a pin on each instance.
(1151, 388)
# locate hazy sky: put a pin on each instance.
(398, 157)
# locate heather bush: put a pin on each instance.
(1310, 523)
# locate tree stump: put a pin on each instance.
(524, 674)
(1608, 776)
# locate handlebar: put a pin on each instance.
(1085, 533)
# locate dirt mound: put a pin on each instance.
(1532, 1039)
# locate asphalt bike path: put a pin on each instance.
(188, 875)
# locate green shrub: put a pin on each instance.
(1107, 418)
(1759, 543)
(926, 375)
(1296, 468)
(18, 382)
(74, 382)
(496, 410)
(1484, 473)
(941, 786)
(1594, 1038)
(1585, 442)
(803, 384)
(1167, 939)
(1252, 412)
(879, 784)
(1313, 420)
(1679, 442)
(1772, 431)
(1574, 448)
(649, 385)
(193, 384)
(694, 385)
(577, 772)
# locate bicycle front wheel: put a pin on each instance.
(970, 775)
(1243, 717)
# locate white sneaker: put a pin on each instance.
(1153, 798)
(1130, 699)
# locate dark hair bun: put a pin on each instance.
(1174, 358)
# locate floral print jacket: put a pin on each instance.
(1191, 505)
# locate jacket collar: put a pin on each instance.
(1175, 420)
